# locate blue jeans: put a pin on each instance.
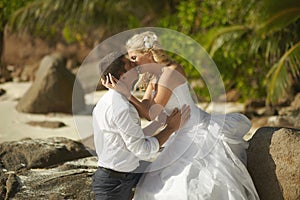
(110, 185)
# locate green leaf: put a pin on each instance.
(275, 15)
(216, 37)
(279, 20)
(279, 74)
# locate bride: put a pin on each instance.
(206, 158)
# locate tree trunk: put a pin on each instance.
(2, 66)
(4, 73)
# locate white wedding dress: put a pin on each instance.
(203, 160)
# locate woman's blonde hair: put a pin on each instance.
(148, 42)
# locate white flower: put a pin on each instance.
(149, 41)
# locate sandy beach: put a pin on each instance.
(13, 124)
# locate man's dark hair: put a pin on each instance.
(114, 64)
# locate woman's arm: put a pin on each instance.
(143, 106)
(150, 107)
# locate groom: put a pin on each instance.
(119, 139)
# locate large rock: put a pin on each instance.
(2, 91)
(53, 168)
(47, 124)
(71, 180)
(274, 163)
(3, 178)
(9, 184)
(38, 153)
(52, 90)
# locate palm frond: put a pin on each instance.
(215, 38)
(276, 15)
(279, 74)
(75, 14)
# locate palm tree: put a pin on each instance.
(75, 14)
(274, 28)
(112, 15)
(7, 8)
(80, 16)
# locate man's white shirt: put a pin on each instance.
(119, 139)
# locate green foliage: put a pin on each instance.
(133, 22)
(69, 35)
(277, 28)
(246, 39)
(73, 19)
(283, 73)
(184, 19)
(206, 20)
(7, 8)
(241, 71)
(69, 18)
(215, 38)
(187, 13)
(273, 15)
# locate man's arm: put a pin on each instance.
(153, 127)
(145, 147)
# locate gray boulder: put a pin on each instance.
(274, 163)
(52, 90)
(47, 124)
(71, 180)
(9, 184)
(38, 153)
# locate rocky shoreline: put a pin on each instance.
(60, 168)
(53, 168)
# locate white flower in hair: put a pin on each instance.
(149, 41)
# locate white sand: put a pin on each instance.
(13, 124)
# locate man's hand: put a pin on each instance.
(175, 121)
(178, 118)
(119, 85)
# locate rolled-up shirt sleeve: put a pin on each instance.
(144, 147)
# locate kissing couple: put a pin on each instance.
(183, 153)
